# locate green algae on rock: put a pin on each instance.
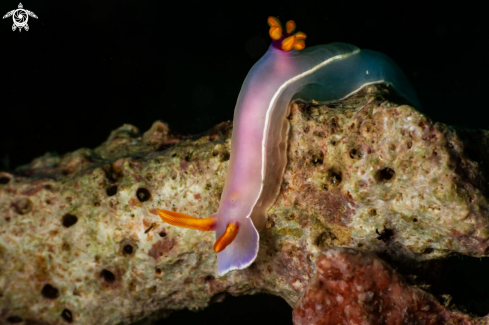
(81, 239)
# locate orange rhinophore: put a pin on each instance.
(205, 224)
(287, 41)
(227, 237)
(186, 221)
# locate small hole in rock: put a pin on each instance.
(385, 174)
(107, 275)
(158, 271)
(415, 220)
(111, 191)
(67, 315)
(50, 292)
(162, 234)
(335, 178)
(316, 156)
(128, 249)
(112, 173)
(355, 153)
(225, 156)
(164, 146)
(385, 235)
(14, 319)
(23, 206)
(143, 194)
(4, 180)
(69, 220)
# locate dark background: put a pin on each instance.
(86, 67)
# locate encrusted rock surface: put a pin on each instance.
(355, 287)
(80, 239)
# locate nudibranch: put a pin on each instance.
(260, 130)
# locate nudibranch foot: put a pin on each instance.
(186, 221)
(227, 237)
(242, 251)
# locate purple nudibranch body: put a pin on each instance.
(259, 142)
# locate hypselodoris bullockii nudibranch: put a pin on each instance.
(259, 142)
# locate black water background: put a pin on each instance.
(85, 68)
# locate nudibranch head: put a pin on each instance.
(286, 41)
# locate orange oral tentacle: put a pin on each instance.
(227, 237)
(290, 26)
(186, 221)
(288, 43)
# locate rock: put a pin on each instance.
(355, 287)
(364, 173)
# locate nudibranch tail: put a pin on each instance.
(227, 237)
(186, 221)
(288, 41)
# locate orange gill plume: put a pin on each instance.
(286, 41)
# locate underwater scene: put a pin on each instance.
(315, 162)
